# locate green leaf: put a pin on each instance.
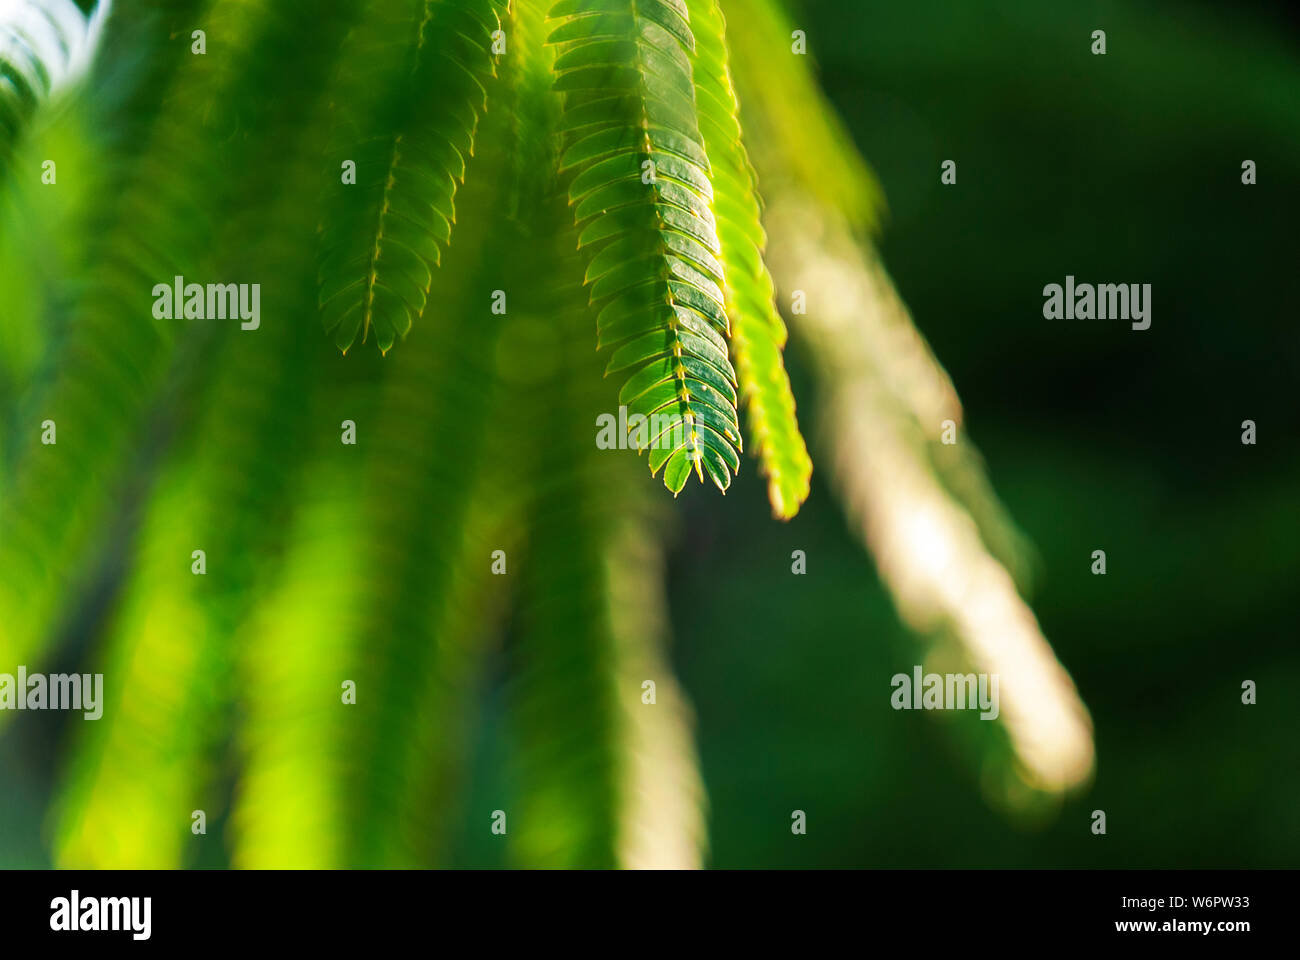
(757, 332)
(642, 193)
(409, 94)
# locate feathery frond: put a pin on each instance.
(642, 197)
(758, 334)
(412, 86)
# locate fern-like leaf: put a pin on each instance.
(758, 333)
(642, 196)
(412, 87)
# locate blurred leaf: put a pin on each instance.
(412, 84)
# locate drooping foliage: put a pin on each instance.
(409, 93)
(310, 578)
